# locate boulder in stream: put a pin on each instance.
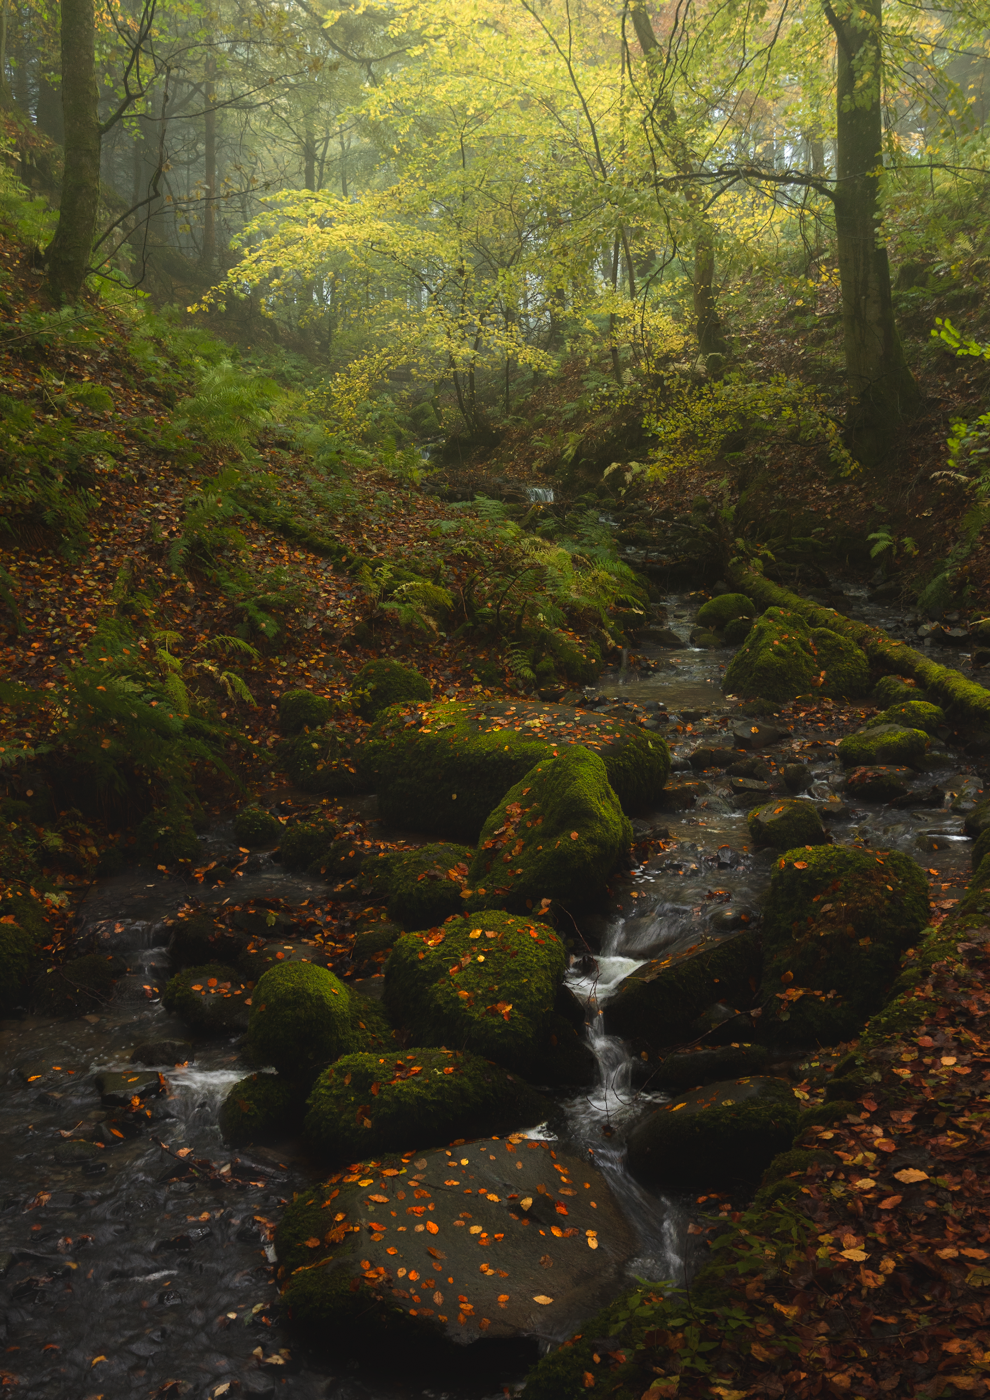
(881, 784)
(783, 657)
(911, 714)
(724, 609)
(423, 886)
(498, 1238)
(261, 1108)
(380, 684)
(884, 744)
(785, 822)
(212, 999)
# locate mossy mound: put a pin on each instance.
(260, 1108)
(486, 983)
(726, 608)
(736, 631)
(382, 683)
(199, 940)
(167, 836)
(301, 709)
(366, 1105)
(443, 768)
(17, 954)
(558, 834)
(981, 848)
(881, 784)
(884, 745)
(423, 886)
(722, 1136)
(77, 986)
(894, 690)
(786, 822)
(835, 923)
(783, 657)
(307, 841)
(303, 1018)
(211, 999)
(254, 828)
(911, 714)
(977, 820)
(658, 1003)
(319, 760)
(375, 938)
(708, 1065)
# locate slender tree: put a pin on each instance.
(69, 251)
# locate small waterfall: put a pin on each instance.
(542, 494)
(195, 1095)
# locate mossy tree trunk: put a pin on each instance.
(70, 249)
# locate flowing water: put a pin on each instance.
(129, 1269)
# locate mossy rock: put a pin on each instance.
(707, 1065)
(375, 938)
(783, 657)
(256, 828)
(977, 819)
(18, 951)
(422, 887)
(319, 760)
(704, 639)
(976, 900)
(835, 923)
(77, 986)
(366, 1105)
(380, 684)
(261, 1108)
(443, 768)
(736, 631)
(911, 714)
(981, 848)
(301, 709)
(658, 1003)
(785, 822)
(167, 836)
(885, 745)
(558, 834)
(212, 999)
(722, 1136)
(726, 608)
(303, 1018)
(881, 784)
(307, 841)
(893, 690)
(786, 1174)
(199, 940)
(486, 983)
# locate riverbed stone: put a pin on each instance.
(423, 886)
(895, 690)
(502, 1238)
(679, 795)
(118, 1088)
(443, 767)
(307, 841)
(198, 939)
(712, 756)
(785, 822)
(796, 777)
(558, 834)
(704, 639)
(884, 745)
(977, 820)
(880, 784)
(724, 609)
(261, 1108)
(417, 1098)
(486, 983)
(162, 1052)
(835, 924)
(735, 632)
(722, 1136)
(211, 999)
(911, 714)
(658, 1003)
(783, 657)
(380, 684)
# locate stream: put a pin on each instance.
(125, 1274)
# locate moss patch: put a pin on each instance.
(319, 760)
(786, 822)
(485, 983)
(254, 827)
(442, 768)
(422, 886)
(260, 1108)
(885, 745)
(365, 1105)
(382, 683)
(783, 657)
(558, 834)
(911, 714)
(737, 630)
(167, 836)
(211, 999)
(303, 1018)
(306, 842)
(717, 612)
(301, 709)
(893, 690)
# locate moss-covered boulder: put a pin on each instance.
(307, 841)
(785, 822)
(736, 631)
(367, 1105)
(255, 828)
(75, 987)
(658, 1003)
(444, 767)
(703, 1064)
(301, 709)
(422, 887)
(718, 1137)
(977, 820)
(558, 834)
(17, 954)
(882, 784)
(198, 939)
(911, 714)
(382, 683)
(486, 983)
(303, 1018)
(885, 745)
(726, 608)
(319, 760)
(835, 923)
(261, 1108)
(895, 690)
(167, 836)
(212, 999)
(783, 657)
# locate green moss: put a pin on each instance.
(319, 760)
(302, 1018)
(443, 768)
(211, 999)
(981, 848)
(167, 836)
(911, 714)
(892, 690)
(375, 938)
(659, 1003)
(306, 842)
(706, 1065)
(723, 609)
(382, 683)
(558, 834)
(888, 744)
(881, 784)
(786, 822)
(783, 657)
(835, 922)
(17, 953)
(260, 1108)
(301, 709)
(977, 897)
(786, 1174)
(977, 821)
(736, 631)
(492, 993)
(255, 827)
(366, 1105)
(842, 664)
(418, 884)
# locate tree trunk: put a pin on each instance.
(208, 256)
(883, 389)
(69, 251)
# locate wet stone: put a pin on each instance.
(118, 1089)
(757, 736)
(162, 1052)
